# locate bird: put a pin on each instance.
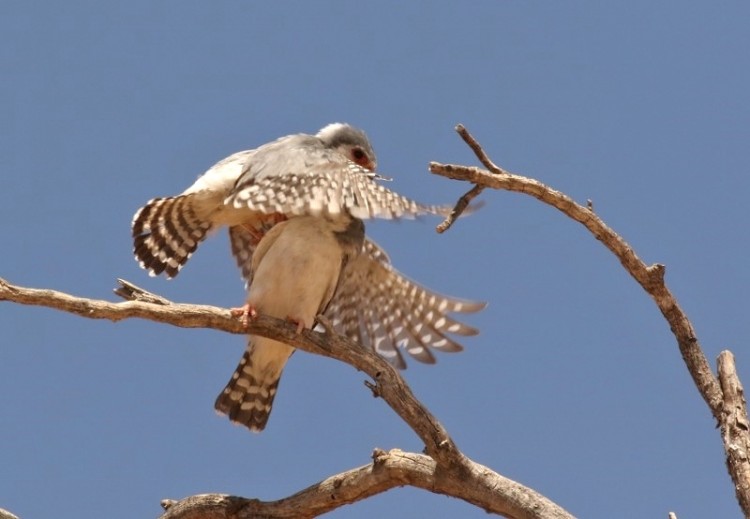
(295, 209)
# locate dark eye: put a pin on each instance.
(358, 154)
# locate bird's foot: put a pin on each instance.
(246, 313)
(299, 322)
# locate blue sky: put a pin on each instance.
(575, 386)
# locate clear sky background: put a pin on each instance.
(575, 386)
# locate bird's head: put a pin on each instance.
(351, 142)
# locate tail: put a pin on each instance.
(248, 397)
(166, 232)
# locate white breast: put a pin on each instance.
(296, 268)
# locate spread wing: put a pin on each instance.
(380, 308)
(310, 179)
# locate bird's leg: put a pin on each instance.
(255, 234)
(258, 229)
(246, 313)
(301, 325)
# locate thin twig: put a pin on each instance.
(478, 150)
(460, 207)
(474, 192)
(132, 292)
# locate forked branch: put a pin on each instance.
(387, 470)
(730, 413)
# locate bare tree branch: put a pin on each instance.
(388, 470)
(475, 191)
(734, 428)
(651, 278)
(444, 470)
(4, 514)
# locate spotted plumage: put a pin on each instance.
(294, 208)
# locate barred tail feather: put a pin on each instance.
(248, 397)
(166, 232)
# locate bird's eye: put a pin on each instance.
(358, 154)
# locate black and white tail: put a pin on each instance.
(248, 397)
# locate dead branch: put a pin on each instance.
(723, 400)
(444, 470)
(387, 470)
(4, 514)
(734, 427)
(475, 191)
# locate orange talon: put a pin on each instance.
(245, 312)
(300, 324)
